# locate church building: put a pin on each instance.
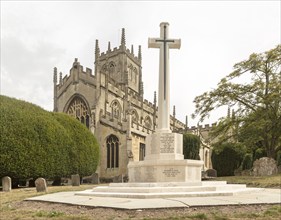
(110, 103)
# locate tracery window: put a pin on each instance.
(111, 69)
(135, 117)
(135, 73)
(147, 122)
(104, 68)
(116, 109)
(112, 147)
(78, 109)
(130, 72)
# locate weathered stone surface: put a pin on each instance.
(94, 179)
(75, 180)
(41, 185)
(6, 184)
(265, 167)
(211, 173)
(118, 179)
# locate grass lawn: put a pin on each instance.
(255, 181)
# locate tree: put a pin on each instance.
(191, 146)
(227, 157)
(256, 100)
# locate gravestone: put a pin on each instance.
(118, 179)
(164, 160)
(265, 166)
(95, 178)
(41, 185)
(6, 184)
(211, 173)
(75, 180)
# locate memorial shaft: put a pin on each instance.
(164, 44)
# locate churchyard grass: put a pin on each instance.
(12, 206)
(273, 181)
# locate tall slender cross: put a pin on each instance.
(164, 44)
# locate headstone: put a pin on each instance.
(6, 184)
(211, 173)
(75, 180)
(118, 179)
(265, 166)
(95, 178)
(41, 185)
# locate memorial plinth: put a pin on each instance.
(164, 161)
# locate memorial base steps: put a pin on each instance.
(167, 190)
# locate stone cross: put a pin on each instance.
(164, 44)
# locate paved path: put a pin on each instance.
(263, 196)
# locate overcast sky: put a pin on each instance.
(38, 36)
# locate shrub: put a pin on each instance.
(227, 157)
(191, 146)
(36, 143)
(247, 162)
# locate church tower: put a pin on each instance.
(122, 67)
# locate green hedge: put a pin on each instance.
(191, 146)
(36, 143)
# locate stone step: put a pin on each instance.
(167, 190)
(154, 189)
(153, 195)
(169, 184)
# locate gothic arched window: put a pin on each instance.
(116, 109)
(135, 75)
(104, 68)
(112, 147)
(135, 117)
(147, 122)
(78, 109)
(130, 72)
(111, 69)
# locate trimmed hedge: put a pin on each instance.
(191, 146)
(37, 143)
